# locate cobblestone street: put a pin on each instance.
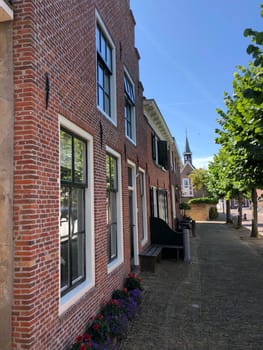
(213, 303)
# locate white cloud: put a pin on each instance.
(202, 162)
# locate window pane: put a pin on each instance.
(77, 210)
(128, 116)
(78, 254)
(98, 39)
(108, 172)
(111, 173)
(107, 104)
(112, 209)
(107, 83)
(64, 263)
(64, 211)
(162, 153)
(128, 87)
(142, 206)
(101, 98)
(100, 75)
(130, 182)
(112, 245)
(65, 156)
(108, 57)
(112, 225)
(80, 161)
(103, 47)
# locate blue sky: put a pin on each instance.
(189, 51)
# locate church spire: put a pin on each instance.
(187, 152)
(187, 147)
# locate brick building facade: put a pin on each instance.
(76, 203)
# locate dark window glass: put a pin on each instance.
(130, 181)
(73, 167)
(163, 154)
(129, 108)
(128, 117)
(104, 72)
(65, 156)
(112, 189)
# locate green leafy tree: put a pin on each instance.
(255, 49)
(220, 182)
(199, 179)
(241, 134)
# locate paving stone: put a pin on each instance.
(213, 303)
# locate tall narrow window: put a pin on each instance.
(112, 206)
(162, 205)
(73, 170)
(142, 213)
(104, 72)
(129, 108)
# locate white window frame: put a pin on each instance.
(75, 294)
(113, 96)
(186, 186)
(133, 114)
(120, 251)
(133, 188)
(144, 205)
(163, 194)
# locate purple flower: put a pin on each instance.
(136, 295)
(129, 306)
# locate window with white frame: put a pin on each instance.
(114, 208)
(187, 188)
(105, 72)
(162, 205)
(76, 211)
(142, 213)
(112, 190)
(129, 108)
(186, 183)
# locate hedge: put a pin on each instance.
(203, 200)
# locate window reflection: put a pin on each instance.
(72, 210)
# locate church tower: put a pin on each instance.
(187, 153)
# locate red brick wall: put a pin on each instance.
(58, 38)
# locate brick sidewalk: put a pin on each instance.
(213, 303)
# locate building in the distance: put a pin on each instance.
(187, 191)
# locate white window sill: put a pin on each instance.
(112, 120)
(74, 296)
(131, 140)
(114, 264)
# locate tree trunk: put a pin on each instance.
(254, 230)
(228, 215)
(239, 218)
